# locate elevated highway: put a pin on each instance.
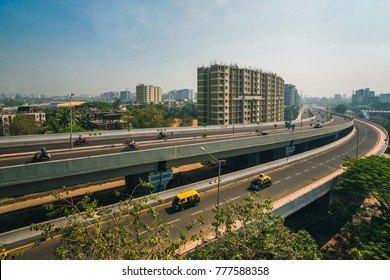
(24, 178)
(297, 181)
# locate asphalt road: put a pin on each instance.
(22, 154)
(285, 181)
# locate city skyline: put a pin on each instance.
(90, 47)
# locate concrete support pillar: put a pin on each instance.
(159, 181)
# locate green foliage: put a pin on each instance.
(291, 112)
(100, 106)
(58, 121)
(93, 233)
(341, 109)
(24, 125)
(151, 116)
(135, 231)
(368, 177)
(189, 110)
(249, 230)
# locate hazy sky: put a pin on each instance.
(90, 47)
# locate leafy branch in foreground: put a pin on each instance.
(111, 233)
(249, 230)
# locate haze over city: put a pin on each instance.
(89, 47)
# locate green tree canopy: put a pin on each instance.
(262, 235)
(100, 234)
(341, 109)
(151, 116)
(291, 112)
(24, 125)
(365, 178)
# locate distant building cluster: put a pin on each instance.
(146, 94)
(367, 96)
(228, 94)
(180, 95)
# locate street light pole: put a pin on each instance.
(71, 120)
(219, 172)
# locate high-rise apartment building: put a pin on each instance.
(146, 94)
(291, 95)
(362, 96)
(228, 94)
(180, 94)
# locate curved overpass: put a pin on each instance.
(55, 174)
(289, 180)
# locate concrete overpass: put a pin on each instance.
(283, 204)
(27, 178)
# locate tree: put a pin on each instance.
(291, 112)
(341, 109)
(151, 116)
(261, 234)
(366, 236)
(24, 125)
(58, 121)
(368, 176)
(99, 233)
(189, 109)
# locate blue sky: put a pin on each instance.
(56, 47)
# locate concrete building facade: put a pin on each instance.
(228, 94)
(146, 94)
(362, 96)
(291, 95)
(180, 94)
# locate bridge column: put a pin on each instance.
(253, 159)
(159, 181)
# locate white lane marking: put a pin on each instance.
(297, 174)
(333, 158)
(171, 222)
(306, 170)
(277, 182)
(197, 213)
(234, 198)
(314, 167)
(287, 178)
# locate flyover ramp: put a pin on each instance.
(81, 170)
(24, 235)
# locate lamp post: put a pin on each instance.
(71, 120)
(219, 172)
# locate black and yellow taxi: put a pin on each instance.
(186, 199)
(262, 181)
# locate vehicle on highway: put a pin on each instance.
(81, 141)
(261, 182)
(264, 132)
(318, 125)
(40, 156)
(130, 145)
(161, 135)
(186, 199)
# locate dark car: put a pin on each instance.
(318, 125)
(263, 181)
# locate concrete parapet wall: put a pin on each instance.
(184, 154)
